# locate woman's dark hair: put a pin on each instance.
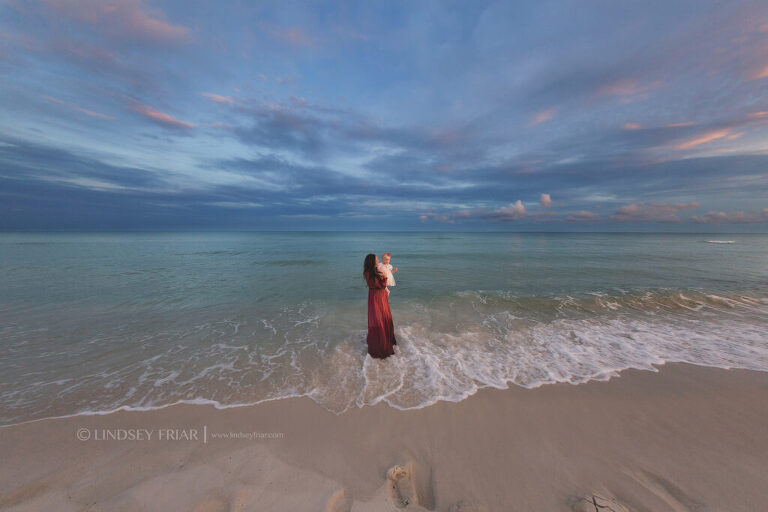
(369, 266)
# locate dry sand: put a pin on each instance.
(684, 439)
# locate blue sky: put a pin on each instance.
(548, 115)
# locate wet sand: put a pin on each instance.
(685, 438)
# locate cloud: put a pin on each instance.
(285, 80)
(632, 126)
(739, 217)
(236, 204)
(218, 98)
(761, 72)
(651, 212)
(628, 89)
(545, 200)
(123, 19)
(513, 211)
(160, 117)
(704, 138)
(78, 108)
(543, 116)
(291, 35)
(319, 131)
(28, 162)
(583, 216)
(424, 217)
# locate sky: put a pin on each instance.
(583, 115)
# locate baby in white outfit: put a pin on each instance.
(387, 269)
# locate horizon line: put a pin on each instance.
(373, 231)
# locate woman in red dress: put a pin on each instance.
(381, 329)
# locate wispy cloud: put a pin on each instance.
(652, 212)
(424, 217)
(759, 73)
(511, 212)
(130, 19)
(583, 216)
(543, 116)
(627, 89)
(78, 108)
(160, 117)
(738, 217)
(218, 98)
(236, 204)
(703, 138)
(292, 35)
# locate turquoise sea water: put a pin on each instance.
(93, 322)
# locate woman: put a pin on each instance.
(381, 330)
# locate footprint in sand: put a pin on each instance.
(598, 503)
(399, 485)
(468, 506)
(410, 485)
(340, 501)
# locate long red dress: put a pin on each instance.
(381, 329)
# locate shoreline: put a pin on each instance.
(685, 437)
(608, 376)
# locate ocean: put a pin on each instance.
(93, 322)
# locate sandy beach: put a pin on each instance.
(686, 438)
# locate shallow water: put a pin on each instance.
(92, 322)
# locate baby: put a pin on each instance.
(387, 269)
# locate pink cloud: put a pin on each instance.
(583, 216)
(704, 138)
(160, 117)
(651, 212)
(627, 89)
(284, 80)
(218, 98)
(543, 116)
(424, 217)
(78, 108)
(632, 126)
(545, 200)
(295, 36)
(85, 53)
(761, 72)
(513, 211)
(122, 18)
(740, 217)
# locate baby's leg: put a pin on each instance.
(387, 291)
